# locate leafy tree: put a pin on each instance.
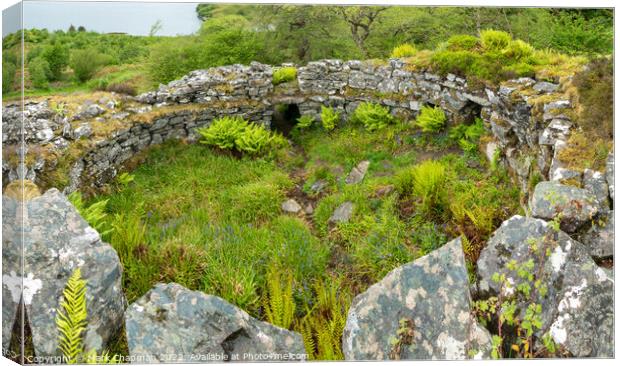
(86, 62)
(8, 76)
(204, 11)
(57, 56)
(81, 29)
(39, 70)
(360, 20)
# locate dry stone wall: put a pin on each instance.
(529, 120)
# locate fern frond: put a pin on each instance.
(71, 318)
(279, 303)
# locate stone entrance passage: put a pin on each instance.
(285, 118)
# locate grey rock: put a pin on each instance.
(291, 206)
(558, 129)
(545, 87)
(431, 297)
(83, 130)
(171, 320)
(342, 213)
(558, 104)
(357, 173)
(595, 183)
(575, 206)
(599, 239)
(576, 287)
(609, 174)
(93, 110)
(57, 241)
(318, 186)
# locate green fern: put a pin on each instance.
(71, 322)
(323, 325)
(279, 303)
(94, 214)
(71, 318)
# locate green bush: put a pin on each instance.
(256, 140)
(403, 50)
(456, 62)
(467, 136)
(95, 214)
(305, 121)
(39, 70)
(8, 76)
(372, 116)
(519, 50)
(223, 132)
(329, 118)
(57, 57)
(518, 70)
(462, 42)
(431, 119)
(284, 74)
(85, 63)
(427, 183)
(230, 133)
(493, 40)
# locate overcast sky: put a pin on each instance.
(129, 17)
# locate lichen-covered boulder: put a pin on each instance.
(575, 206)
(577, 307)
(173, 324)
(56, 241)
(429, 298)
(596, 183)
(584, 323)
(599, 239)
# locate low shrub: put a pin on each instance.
(494, 40)
(256, 140)
(457, 62)
(229, 133)
(86, 62)
(518, 70)
(519, 50)
(427, 183)
(223, 132)
(322, 326)
(39, 70)
(284, 75)
(95, 214)
(595, 94)
(468, 136)
(403, 50)
(305, 121)
(431, 119)
(462, 42)
(329, 118)
(278, 303)
(122, 88)
(372, 116)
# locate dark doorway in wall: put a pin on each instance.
(470, 112)
(285, 118)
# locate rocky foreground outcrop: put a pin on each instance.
(421, 310)
(577, 303)
(56, 241)
(173, 324)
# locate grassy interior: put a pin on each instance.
(212, 221)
